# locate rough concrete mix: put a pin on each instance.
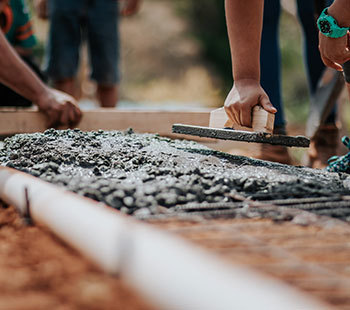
(145, 174)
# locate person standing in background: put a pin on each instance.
(73, 22)
(325, 142)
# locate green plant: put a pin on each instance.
(207, 22)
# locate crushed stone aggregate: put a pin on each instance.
(148, 174)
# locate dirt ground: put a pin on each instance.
(312, 258)
(39, 272)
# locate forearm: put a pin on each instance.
(17, 75)
(244, 25)
(340, 10)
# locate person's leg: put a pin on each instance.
(270, 58)
(64, 43)
(103, 40)
(314, 65)
(313, 61)
(66, 85)
(107, 95)
(325, 142)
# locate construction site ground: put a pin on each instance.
(287, 222)
(304, 244)
(312, 258)
(39, 272)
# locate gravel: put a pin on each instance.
(148, 174)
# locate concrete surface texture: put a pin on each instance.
(146, 174)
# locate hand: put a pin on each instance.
(244, 95)
(41, 8)
(130, 7)
(59, 108)
(334, 52)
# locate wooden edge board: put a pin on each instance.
(245, 136)
(14, 121)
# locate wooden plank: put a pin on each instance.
(28, 121)
(262, 121)
(219, 119)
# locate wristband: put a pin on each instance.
(328, 26)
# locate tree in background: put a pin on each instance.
(207, 20)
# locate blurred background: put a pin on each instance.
(176, 53)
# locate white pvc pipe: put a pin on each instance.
(90, 227)
(182, 276)
(165, 269)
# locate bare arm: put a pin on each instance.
(244, 25)
(334, 52)
(59, 108)
(16, 74)
(340, 10)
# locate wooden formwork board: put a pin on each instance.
(14, 121)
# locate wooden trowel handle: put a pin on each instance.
(262, 121)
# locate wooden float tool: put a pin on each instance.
(221, 127)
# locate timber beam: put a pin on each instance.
(14, 121)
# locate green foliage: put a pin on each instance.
(207, 20)
(39, 51)
(294, 83)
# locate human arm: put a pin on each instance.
(130, 7)
(59, 108)
(244, 25)
(335, 51)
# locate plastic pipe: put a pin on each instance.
(88, 226)
(167, 270)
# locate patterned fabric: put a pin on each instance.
(340, 163)
(16, 24)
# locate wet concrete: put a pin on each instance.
(147, 174)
